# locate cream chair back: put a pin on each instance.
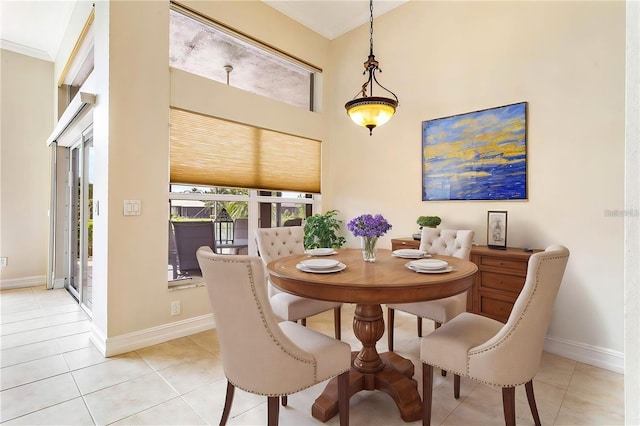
(275, 243)
(512, 356)
(447, 242)
(256, 355)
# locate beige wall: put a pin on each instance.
(131, 147)
(131, 135)
(566, 59)
(26, 121)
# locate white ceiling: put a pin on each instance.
(36, 27)
(332, 18)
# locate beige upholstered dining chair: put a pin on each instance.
(446, 242)
(274, 243)
(505, 355)
(260, 355)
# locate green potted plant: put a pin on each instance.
(322, 231)
(429, 221)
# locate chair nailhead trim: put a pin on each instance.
(264, 323)
(291, 392)
(512, 330)
(466, 374)
(268, 330)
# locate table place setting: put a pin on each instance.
(429, 266)
(320, 266)
(410, 254)
(321, 251)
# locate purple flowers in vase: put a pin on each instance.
(369, 227)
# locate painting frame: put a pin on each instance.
(497, 229)
(478, 155)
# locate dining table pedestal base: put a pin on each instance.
(369, 285)
(395, 379)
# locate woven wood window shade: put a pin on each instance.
(210, 151)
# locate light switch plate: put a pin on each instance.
(132, 207)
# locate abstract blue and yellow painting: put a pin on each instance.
(480, 155)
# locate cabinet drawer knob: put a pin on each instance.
(499, 281)
(501, 263)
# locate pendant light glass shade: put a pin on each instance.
(371, 111)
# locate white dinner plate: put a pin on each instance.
(320, 263)
(339, 267)
(430, 271)
(410, 253)
(430, 264)
(321, 251)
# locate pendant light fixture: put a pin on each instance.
(371, 111)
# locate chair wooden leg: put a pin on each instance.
(532, 402)
(273, 410)
(303, 321)
(419, 319)
(390, 318)
(509, 405)
(343, 398)
(227, 404)
(427, 393)
(437, 325)
(284, 400)
(456, 386)
(337, 318)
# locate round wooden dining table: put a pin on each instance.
(368, 285)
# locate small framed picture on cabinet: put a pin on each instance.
(497, 230)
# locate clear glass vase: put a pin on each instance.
(369, 248)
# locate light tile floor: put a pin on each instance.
(51, 374)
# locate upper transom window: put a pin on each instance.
(202, 47)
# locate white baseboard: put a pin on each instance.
(58, 283)
(151, 336)
(588, 354)
(23, 282)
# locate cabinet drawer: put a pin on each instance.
(505, 282)
(496, 308)
(516, 265)
(398, 244)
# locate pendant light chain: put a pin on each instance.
(371, 28)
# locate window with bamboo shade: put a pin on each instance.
(207, 150)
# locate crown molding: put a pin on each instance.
(25, 50)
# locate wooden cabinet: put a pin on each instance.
(404, 243)
(500, 278)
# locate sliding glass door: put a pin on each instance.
(80, 220)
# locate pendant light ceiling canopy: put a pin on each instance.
(371, 111)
